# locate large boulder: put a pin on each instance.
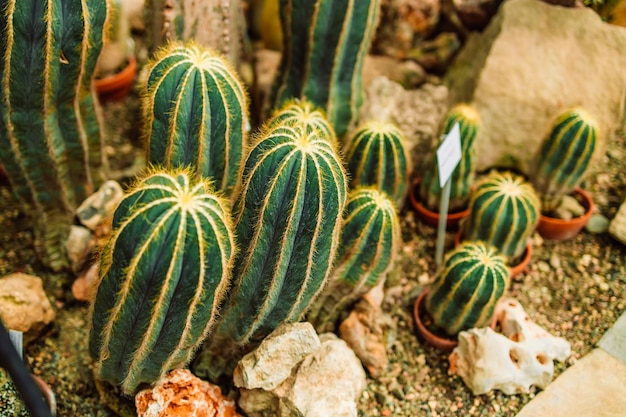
(533, 61)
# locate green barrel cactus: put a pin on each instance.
(163, 274)
(287, 222)
(463, 176)
(303, 111)
(50, 142)
(564, 156)
(325, 43)
(370, 240)
(465, 294)
(196, 113)
(504, 211)
(376, 156)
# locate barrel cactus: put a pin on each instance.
(376, 156)
(325, 43)
(287, 222)
(564, 156)
(462, 177)
(303, 111)
(465, 294)
(370, 239)
(196, 113)
(504, 211)
(163, 274)
(50, 142)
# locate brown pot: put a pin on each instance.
(444, 343)
(432, 217)
(559, 229)
(516, 269)
(117, 86)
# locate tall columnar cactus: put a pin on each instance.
(564, 156)
(325, 43)
(370, 239)
(50, 143)
(376, 156)
(196, 113)
(287, 218)
(463, 175)
(163, 275)
(504, 210)
(465, 294)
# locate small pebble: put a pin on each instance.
(597, 224)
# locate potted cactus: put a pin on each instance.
(464, 294)
(504, 211)
(560, 165)
(425, 193)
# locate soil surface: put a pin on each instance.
(574, 289)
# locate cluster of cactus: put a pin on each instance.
(462, 177)
(163, 275)
(504, 211)
(376, 156)
(325, 43)
(287, 222)
(195, 113)
(465, 294)
(564, 156)
(50, 142)
(370, 239)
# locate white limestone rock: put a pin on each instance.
(100, 204)
(617, 227)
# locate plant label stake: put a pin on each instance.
(448, 157)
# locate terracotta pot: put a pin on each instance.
(47, 393)
(432, 217)
(559, 229)
(516, 269)
(117, 86)
(441, 342)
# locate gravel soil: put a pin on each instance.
(574, 289)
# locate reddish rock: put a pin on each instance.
(182, 394)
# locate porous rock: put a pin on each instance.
(24, 305)
(617, 227)
(531, 63)
(329, 378)
(180, 393)
(100, 204)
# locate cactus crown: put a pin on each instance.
(195, 113)
(564, 156)
(163, 275)
(504, 210)
(465, 294)
(376, 156)
(463, 175)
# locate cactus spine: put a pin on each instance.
(564, 156)
(463, 175)
(196, 113)
(287, 217)
(325, 43)
(370, 239)
(465, 294)
(50, 142)
(163, 275)
(376, 156)
(504, 211)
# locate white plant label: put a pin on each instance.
(449, 154)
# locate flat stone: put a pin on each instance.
(614, 340)
(594, 387)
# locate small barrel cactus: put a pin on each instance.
(504, 211)
(196, 113)
(564, 156)
(50, 141)
(303, 111)
(370, 239)
(462, 177)
(325, 43)
(287, 222)
(376, 156)
(163, 274)
(465, 294)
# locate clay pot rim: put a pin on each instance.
(432, 217)
(574, 222)
(47, 393)
(119, 79)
